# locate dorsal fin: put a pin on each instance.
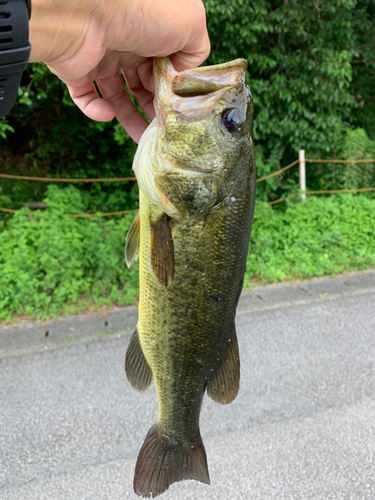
(132, 241)
(223, 388)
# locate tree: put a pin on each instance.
(311, 71)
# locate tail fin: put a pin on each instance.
(163, 461)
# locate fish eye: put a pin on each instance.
(232, 119)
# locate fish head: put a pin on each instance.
(199, 149)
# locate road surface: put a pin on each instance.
(302, 427)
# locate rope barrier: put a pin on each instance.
(340, 161)
(312, 161)
(63, 179)
(9, 210)
(124, 179)
(104, 214)
(283, 199)
(329, 191)
(278, 171)
(128, 179)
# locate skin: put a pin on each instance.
(83, 41)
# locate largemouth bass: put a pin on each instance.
(196, 173)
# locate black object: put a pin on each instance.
(232, 119)
(14, 49)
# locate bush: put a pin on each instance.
(311, 71)
(322, 236)
(51, 263)
(49, 260)
(349, 143)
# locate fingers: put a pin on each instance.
(175, 28)
(141, 75)
(88, 101)
(114, 93)
(183, 60)
(116, 101)
(141, 86)
(197, 48)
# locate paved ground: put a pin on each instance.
(302, 427)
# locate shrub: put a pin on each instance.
(48, 259)
(322, 236)
(51, 263)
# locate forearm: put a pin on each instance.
(83, 41)
(58, 28)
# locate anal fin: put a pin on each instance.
(132, 241)
(137, 369)
(223, 388)
(162, 250)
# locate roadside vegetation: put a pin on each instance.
(311, 72)
(52, 264)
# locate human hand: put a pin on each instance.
(83, 41)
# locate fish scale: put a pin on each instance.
(192, 246)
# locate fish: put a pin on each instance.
(195, 169)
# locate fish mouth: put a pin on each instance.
(176, 91)
(207, 79)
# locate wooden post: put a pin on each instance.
(302, 174)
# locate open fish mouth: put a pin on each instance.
(188, 91)
(207, 79)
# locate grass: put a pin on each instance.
(52, 265)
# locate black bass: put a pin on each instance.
(196, 173)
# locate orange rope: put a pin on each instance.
(340, 161)
(123, 179)
(360, 190)
(10, 210)
(278, 171)
(331, 191)
(62, 179)
(104, 214)
(283, 199)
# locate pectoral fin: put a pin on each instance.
(137, 369)
(132, 241)
(162, 251)
(223, 388)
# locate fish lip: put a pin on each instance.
(208, 79)
(172, 86)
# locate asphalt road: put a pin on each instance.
(302, 427)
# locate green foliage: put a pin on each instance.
(311, 71)
(53, 137)
(322, 236)
(299, 58)
(5, 128)
(48, 260)
(363, 66)
(348, 143)
(51, 263)
(312, 75)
